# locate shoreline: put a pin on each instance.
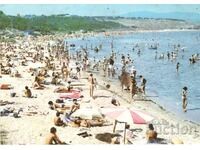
(118, 33)
(143, 101)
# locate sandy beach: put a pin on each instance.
(36, 119)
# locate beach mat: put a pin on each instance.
(71, 96)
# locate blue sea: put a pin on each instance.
(164, 84)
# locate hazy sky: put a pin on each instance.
(93, 9)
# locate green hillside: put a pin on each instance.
(53, 23)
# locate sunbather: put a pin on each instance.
(5, 86)
(55, 80)
(151, 134)
(75, 106)
(57, 107)
(37, 84)
(58, 121)
(27, 92)
(53, 138)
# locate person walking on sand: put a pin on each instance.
(53, 138)
(184, 99)
(91, 84)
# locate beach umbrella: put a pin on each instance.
(87, 113)
(127, 115)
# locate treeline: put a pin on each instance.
(45, 24)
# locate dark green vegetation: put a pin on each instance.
(47, 24)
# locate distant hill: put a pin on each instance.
(188, 16)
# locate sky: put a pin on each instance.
(94, 9)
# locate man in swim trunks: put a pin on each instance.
(184, 99)
(53, 138)
(58, 121)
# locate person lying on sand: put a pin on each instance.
(53, 138)
(5, 86)
(27, 92)
(86, 123)
(92, 123)
(58, 121)
(57, 107)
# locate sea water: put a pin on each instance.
(164, 84)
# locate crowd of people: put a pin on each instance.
(54, 64)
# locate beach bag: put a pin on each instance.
(13, 94)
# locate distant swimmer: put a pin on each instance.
(184, 99)
(156, 56)
(168, 55)
(177, 66)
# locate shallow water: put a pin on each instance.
(164, 84)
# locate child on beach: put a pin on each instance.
(184, 99)
(27, 92)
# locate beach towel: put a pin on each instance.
(63, 90)
(71, 95)
(5, 86)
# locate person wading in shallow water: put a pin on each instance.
(184, 99)
(143, 84)
(177, 66)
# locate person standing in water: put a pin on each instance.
(143, 83)
(184, 99)
(177, 66)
